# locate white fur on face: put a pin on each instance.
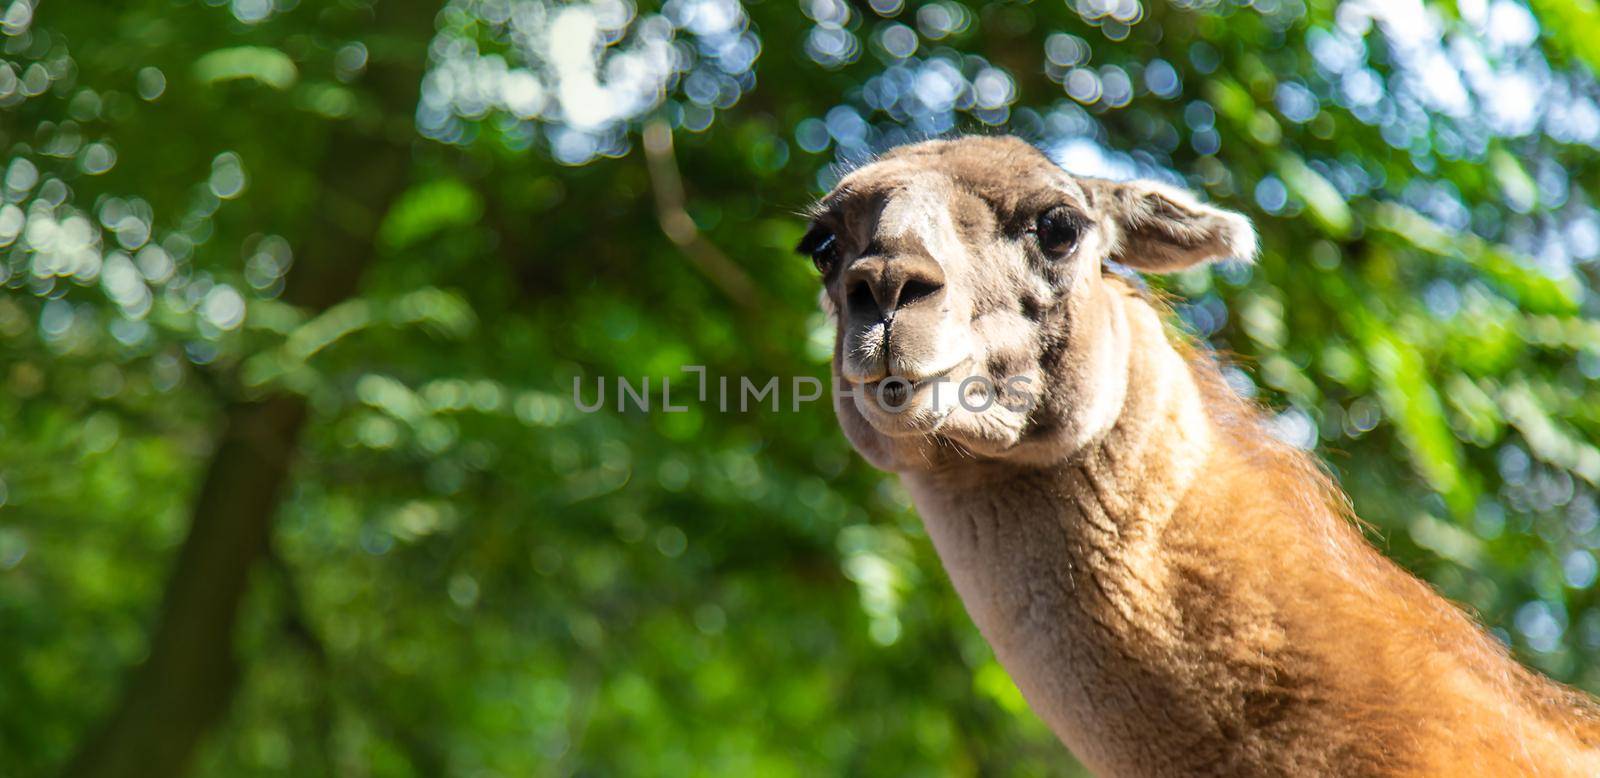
(914, 346)
(1004, 306)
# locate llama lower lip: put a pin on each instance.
(895, 390)
(898, 393)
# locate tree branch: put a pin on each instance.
(679, 227)
(181, 691)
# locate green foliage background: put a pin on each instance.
(469, 577)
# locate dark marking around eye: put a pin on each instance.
(1030, 307)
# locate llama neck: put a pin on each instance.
(1170, 606)
(1061, 566)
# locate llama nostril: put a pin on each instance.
(881, 286)
(917, 289)
(860, 297)
(913, 279)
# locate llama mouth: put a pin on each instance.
(901, 406)
(896, 390)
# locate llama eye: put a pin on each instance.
(1057, 232)
(824, 255)
(822, 246)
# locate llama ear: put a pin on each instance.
(1163, 229)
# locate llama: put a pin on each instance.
(1174, 592)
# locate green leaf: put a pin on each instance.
(265, 65)
(1518, 187)
(1532, 289)
(428, 209)
(1575, 25)
(1323, 200)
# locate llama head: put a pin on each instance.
(972, 318)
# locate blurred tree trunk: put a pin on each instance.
(179, 693)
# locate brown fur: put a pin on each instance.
(1174, 591)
